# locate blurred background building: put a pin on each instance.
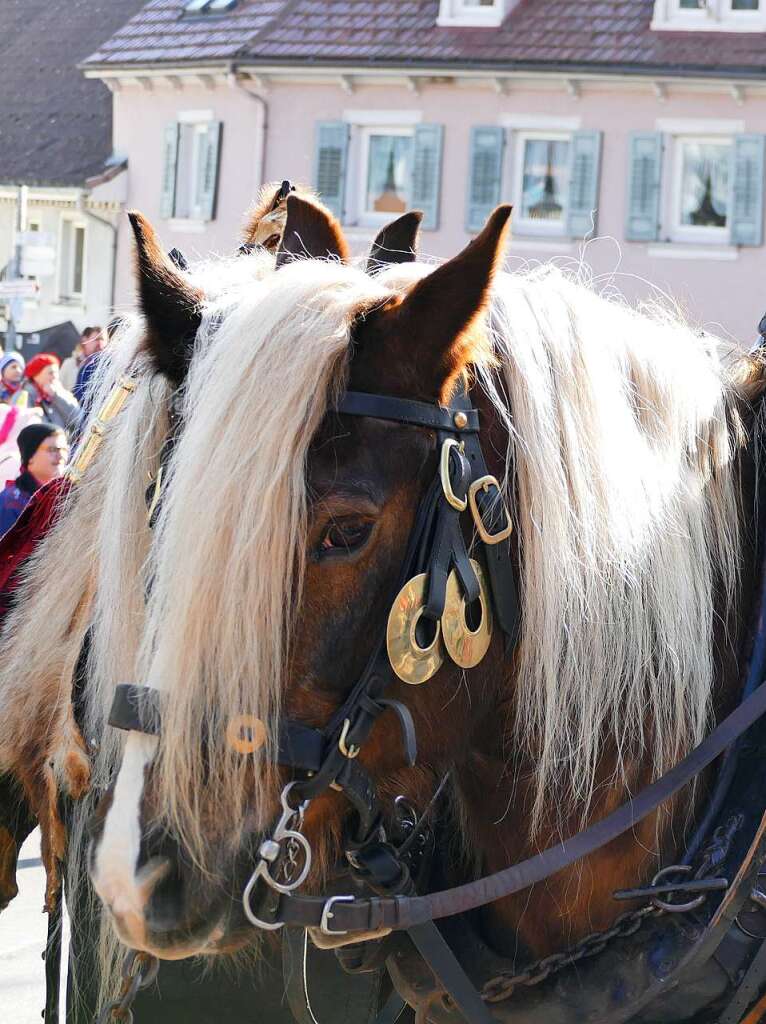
(640, 123)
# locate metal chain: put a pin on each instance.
(501, 987)
(138, 972)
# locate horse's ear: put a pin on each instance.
(311, 232)
(169, 302)
(426, 338)
(266, 220)
(397, 242)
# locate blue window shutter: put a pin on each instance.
(485, 175)
(427, 173)
(169, 164)
(330, 162)
(747, 190)
(644, 179)
(584, 172)
(207, 184)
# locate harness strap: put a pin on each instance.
(749, 987)
(137, 709)
(407, 410)
(400, 912)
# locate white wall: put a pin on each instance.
(49, 209)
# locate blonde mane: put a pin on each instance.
(622, 439)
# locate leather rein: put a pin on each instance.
(327, 757)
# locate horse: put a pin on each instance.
(49, 768)
(617, 438)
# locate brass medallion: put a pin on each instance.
(411, 662)
(245, 733)
(466, 647)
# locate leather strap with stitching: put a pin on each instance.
(404, 912)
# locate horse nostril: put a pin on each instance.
(165, 903)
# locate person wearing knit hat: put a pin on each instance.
(44, 451)
(11, 373)
(45, 391)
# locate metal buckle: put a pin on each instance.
(457, 503)
(269, 851)
(349, 752)
(483, 484)
(324, 925)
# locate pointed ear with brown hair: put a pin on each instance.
(170, 304)
(311, 232)
(418, 345)
(397, 242)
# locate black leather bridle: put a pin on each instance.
(327, 757)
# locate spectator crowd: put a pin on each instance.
(43, 404)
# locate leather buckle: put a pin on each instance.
(324, 923)
(457, 503)
(483, 484)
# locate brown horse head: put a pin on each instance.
(362, 481)
(280, 544)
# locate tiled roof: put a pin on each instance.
(581, 34)
(55, 125)
(161, 32)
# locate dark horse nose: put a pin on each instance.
(162, 862)
(183, 904)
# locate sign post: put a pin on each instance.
(15, 275)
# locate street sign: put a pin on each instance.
(18, 289)
(38, 260)
(35, 238)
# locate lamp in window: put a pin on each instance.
(389, 200)
(547, 207)
(706, 214)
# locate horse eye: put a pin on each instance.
(344, 536)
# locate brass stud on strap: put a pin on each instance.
(245, 734)
(460, 420)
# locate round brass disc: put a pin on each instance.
(466, 647)
(411, 662)
(245, 733)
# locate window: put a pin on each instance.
(542, 182)
(374, 166)
(701, 189)
(552, 176)
(701, 183)
(72, 261)
(208, 6)
(710, 15)
(480, 13)
(190, 172)
(386, 174)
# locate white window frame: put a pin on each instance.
(712, 16)
(67, 294)
(364, 217)
(526, 225)
(690, 233)
(461, 14)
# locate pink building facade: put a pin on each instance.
(649, 179)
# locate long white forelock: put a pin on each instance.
(628, 523)
(228, 551)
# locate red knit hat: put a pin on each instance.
(38, 364)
